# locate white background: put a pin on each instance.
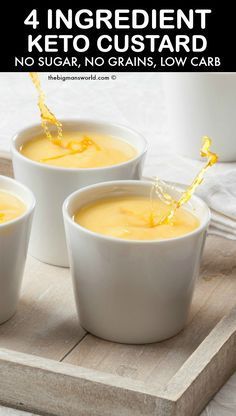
(136, 100)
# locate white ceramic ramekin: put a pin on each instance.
(51, 185)
(14, 238)
(200, 105)
(132, 291)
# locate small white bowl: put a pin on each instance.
(52, 184)
(132, 291)
(14, 238)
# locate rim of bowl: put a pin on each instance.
(29, 207)
(203, 224)
(75, 120)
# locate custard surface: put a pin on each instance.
(11, 207)
(80, 150)
(128, 217)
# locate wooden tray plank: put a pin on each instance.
(157, 363)
(46, 386)
(206, 370)
(97, 393)
(5, 165)
(46, 322)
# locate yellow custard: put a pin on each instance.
(10, 207)
(128, 217)
(80, 150)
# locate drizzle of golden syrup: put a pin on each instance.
(158, 187)
(74, 147)
(48, 118)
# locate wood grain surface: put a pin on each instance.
(5, 165)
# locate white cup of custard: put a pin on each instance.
(132, 283)
(16, 210)
(200, 104)
(116, 153)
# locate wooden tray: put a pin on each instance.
(49, 365)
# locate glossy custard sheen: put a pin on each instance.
(11, 207)
(128, 217)
(79, 150)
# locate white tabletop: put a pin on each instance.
(136, 100)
